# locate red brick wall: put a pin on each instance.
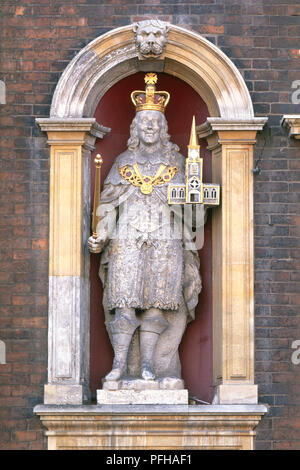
(38, 39)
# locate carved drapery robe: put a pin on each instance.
(144, 262)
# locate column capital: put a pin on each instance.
(221, 131)
(79, 131)
(73, 124)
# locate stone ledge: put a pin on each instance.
(138, 427)
(151, 409)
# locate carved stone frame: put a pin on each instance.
(231, 134)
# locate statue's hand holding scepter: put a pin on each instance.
(95, 243)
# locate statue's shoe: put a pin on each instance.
(147, 373)
(114, 374)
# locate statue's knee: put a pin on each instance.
(154, 324)
(127, 312)
(123, 324)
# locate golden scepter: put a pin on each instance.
(96, 218)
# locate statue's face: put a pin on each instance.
(150, 40)
(149, 126)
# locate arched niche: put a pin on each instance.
(230, 132)
(117, 111)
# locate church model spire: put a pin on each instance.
(194, 191)
(193, 137)
(194, 186)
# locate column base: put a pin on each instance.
(57, 394)
(236, 394)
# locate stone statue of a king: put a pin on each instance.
(151, 281)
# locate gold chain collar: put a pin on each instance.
(146, 183)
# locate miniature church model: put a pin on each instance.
(194, 191)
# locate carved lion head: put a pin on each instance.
(150, 37)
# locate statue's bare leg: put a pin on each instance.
(153, 324)
(122, 329)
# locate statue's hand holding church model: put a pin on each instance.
(151, 282)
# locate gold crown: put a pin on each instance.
(150, 99)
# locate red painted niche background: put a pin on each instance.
(116, 111)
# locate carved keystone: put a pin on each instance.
(150, 38)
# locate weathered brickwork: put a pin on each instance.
(38, 39)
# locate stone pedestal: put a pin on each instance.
(142, 397)
(164, 391)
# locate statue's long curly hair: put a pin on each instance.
(168, 148)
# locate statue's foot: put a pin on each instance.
(114, 374)
(147, 373)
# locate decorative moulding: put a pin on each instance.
(213, 124)
(71, 125)
(291, 122)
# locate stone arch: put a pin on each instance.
(187, 55)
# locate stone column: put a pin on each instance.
(231, 144)
(71, 142)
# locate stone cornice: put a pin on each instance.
(218, 124)
(73, 125)
(291, 122)
(150, 409)
(150, 426)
